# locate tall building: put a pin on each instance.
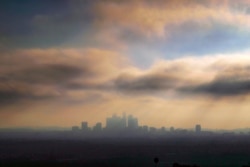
(198, 128)
(85, 126)
(97, 127)
(116, 122)
(132, 122)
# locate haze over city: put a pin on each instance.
(168, 63)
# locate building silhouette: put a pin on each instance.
(126, 126)
(116, 123)
(85, 126)
(132, 122)
(97, 127)
(198, 128)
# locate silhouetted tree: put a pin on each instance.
(156, 160)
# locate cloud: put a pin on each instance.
(9, 97)
(159, 17)
(214, 76)
(87, 61)
(42, 24)
(153, 82)
(222, 88)
(162, 76)
(169, 28)
(232, 80)
(48, 74)
(38, 74)
(35, 74)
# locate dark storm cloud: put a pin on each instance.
(86, 86)
(48, 74)
(10, 97)
(231, 80)
(220, 88)
(37, 74)
(31, 83)
(146, 83)
(217, 88)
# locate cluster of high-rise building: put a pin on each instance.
(126, 124)
(117, 123)
(113, 123)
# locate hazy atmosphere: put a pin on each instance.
(167, 62)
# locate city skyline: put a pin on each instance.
(118, 124)
(177, 63)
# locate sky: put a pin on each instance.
(167, 62)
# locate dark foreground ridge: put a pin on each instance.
(139, 152)
(51, 163)
(72, 164)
